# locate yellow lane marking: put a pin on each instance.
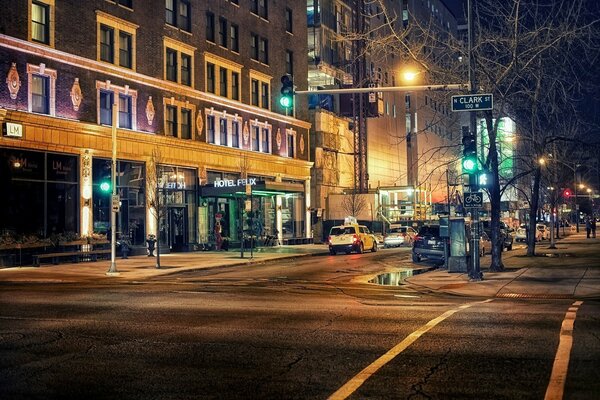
(357, 381)
(556, 386)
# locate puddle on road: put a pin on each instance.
(397, 278)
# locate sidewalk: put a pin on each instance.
(572, 270)
(139, 267)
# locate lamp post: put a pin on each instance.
(115, 197)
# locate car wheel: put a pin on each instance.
(509, 248)
(374, 248)
(361, 248)
(347, 251)
(416, 258)
(332, 252)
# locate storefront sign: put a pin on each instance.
(234, 183)
(13, 130)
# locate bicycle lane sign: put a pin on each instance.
(473, 199)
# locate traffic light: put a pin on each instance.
(469, 160)
(484, 179)
(567, 193)
(287, 91)
(105, 186)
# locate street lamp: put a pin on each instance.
(115, 197)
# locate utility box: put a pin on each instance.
(457, 262)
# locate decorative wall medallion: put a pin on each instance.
(278, 138)
(246, 133)
(13, 81)
(86, 169)
(150, 112)
(302, 144)
(76, 95)
(199, 124)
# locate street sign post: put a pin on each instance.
(473, 102)
(116, 203)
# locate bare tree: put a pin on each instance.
(354, 203)
(156, 197)
(532, 55)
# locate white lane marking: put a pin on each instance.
(556, 386)
(357, 381)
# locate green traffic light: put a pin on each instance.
(105, 186)
(285, 101)
(469, 164)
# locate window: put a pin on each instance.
(125, 111)
(264, 95)
(263, 51)
(260, 89)
(171, 121)
(186, 123)
(177, 14)
(223, 132)
(265, 140)
(260, 136)
(210, 129)
(40, 94)
(223, 82)
(255, 91)
(210, 26)
(116, 40)
(255, 138)
(125, 3)
(41, 89)
(235, 86)
(260, 8)
(289, 62)
(210, 77)
(291, 143)
(125, 47)
(179, 62)
(106, 43)
(254, 46)
(288, 20)
(178, 118)
(222, 32)
(172, 65)
(106, 102)
(227, 82)
(235, 134)
(186, 70)
(40, 22)
(234, 38)
(126, 105)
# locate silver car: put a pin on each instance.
(399, 236)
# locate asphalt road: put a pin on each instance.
(307, 328)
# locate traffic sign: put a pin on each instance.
(473, 199)
(116, 203)
(473, 102)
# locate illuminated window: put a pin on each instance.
(291, 143)
(227, 82)
(116, 42)
(178, 118)
(260, 89)
(40, 22)
(260, 135)
(126, 105)
(179, 62)
(41, 89)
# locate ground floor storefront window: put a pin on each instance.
(40, 193)
(131, 218)
(178, 213)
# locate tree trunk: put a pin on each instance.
(494, 192)
(535, 198)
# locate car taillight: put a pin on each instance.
(355, 238)
(417, 238)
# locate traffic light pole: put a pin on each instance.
(475, 272)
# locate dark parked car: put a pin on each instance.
(428, 244)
